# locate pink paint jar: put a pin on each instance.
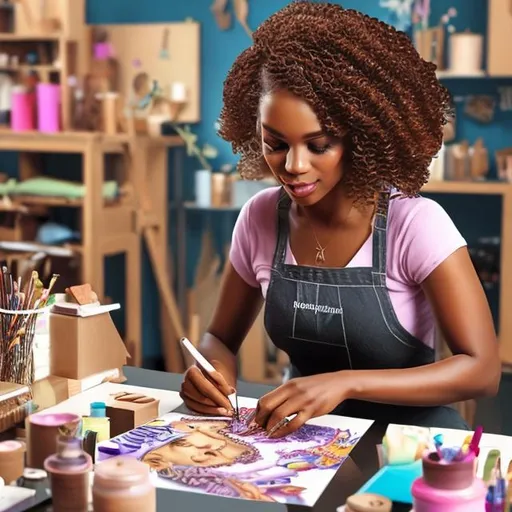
(22, 110)
(448, 486)
(48, 107)
(123, 483)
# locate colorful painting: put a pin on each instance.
(225, 458)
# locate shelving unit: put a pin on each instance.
(61, 51)
(109, 227)
(504, 190)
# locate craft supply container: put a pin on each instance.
(123, 483)
(448, 486)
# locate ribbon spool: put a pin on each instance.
(12, 460)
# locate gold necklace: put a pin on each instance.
(319, 248)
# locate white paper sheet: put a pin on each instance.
(203, 455)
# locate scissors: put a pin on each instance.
(208, 368)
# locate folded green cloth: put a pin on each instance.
(51, 187)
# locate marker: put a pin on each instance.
(475, 441)
(208, 368)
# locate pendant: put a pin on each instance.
(320, 254)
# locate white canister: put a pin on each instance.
(203, 188)
(466, 53)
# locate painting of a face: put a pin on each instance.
(204, 446)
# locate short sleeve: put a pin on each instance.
(241, 250)
(429, 238)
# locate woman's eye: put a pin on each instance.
(315, 148)
(273, 147)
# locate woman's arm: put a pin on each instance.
(235, 312)
(474, 370)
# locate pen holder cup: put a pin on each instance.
(448, 475)
(448, 486)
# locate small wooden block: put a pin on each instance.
(368, 503)
(130, 410)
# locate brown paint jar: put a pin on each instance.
(123, 483)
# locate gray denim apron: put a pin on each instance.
(332, 319)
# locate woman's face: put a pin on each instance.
(204, 446)
(305, 159)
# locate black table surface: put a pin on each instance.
(354, 472)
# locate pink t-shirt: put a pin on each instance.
(420, 236)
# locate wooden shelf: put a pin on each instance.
(467, 187)
(443, 75)
(74, 142)
(8, 36)
(41, 68)
(55, 201)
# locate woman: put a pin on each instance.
(355, 268)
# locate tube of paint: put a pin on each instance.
(123, 483)
(69, 472)
(48, 107)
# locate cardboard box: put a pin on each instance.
(53, 390)
(129, 410)
(84, 346)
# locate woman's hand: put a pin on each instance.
(307, 397)
(207, 393)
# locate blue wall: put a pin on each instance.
(218, 51)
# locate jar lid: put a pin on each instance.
(120, 473)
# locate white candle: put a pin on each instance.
(178, 92)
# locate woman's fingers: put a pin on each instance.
(199, 407)
(192, 392)
(207, 388)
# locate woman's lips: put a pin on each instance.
(301, 189)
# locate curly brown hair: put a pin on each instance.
(364, 80)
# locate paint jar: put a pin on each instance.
(448, 486)
(22, 110)
(12, 460)
(43, 431)
(48, 107)
(123, 483)
(69, 471)
(203, 188)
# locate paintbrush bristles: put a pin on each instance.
(18, 329)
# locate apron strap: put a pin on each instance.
(283, 227)
(379, 233)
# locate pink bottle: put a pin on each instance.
(448, 486)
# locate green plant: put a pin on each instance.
(201, 153)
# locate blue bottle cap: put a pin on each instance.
(98, 409)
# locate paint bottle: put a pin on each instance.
(97, 421)
(69, 471)
(123, 483)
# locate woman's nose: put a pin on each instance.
(297, 161)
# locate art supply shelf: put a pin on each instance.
(108, 227)
(504, 190)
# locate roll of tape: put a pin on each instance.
(368, 503)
